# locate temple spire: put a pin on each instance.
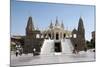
(57, 23)
(80, 24)
(30, 26)
(51, 25)
(62, 25)
(81, 29)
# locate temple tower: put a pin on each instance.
(81, 30)
(78, 37)
(33, 38)
(29, 27)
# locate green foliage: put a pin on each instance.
(90, 44)
(93, 43)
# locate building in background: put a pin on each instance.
(78, 37)
(34, 38)
(93, 39)
(56, 31)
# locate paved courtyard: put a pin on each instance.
(43, 59)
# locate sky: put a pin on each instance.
(42, 14)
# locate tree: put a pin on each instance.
(93, 43)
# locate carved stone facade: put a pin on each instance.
(32, 38)
(56, 31)
(78, 37)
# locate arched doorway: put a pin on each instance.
(64, 35)
(49, 36)
(57, 36)
(58, 47)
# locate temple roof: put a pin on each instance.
(56, 23)
(80, 24)
(30, 25)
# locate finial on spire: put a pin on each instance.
(29, 13)
(51, 25)
(62, 25)
(57, 23)
(56, 18)
(80, 17)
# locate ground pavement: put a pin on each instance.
(29, 59)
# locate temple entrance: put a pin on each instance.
(57, 46)
(64, 35)
(50, 36)
(57, 36)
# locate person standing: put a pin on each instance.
(34, 51)
(75, 49)
(17, 52)
(17, 48)
(20, 51)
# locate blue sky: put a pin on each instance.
(43, 13)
